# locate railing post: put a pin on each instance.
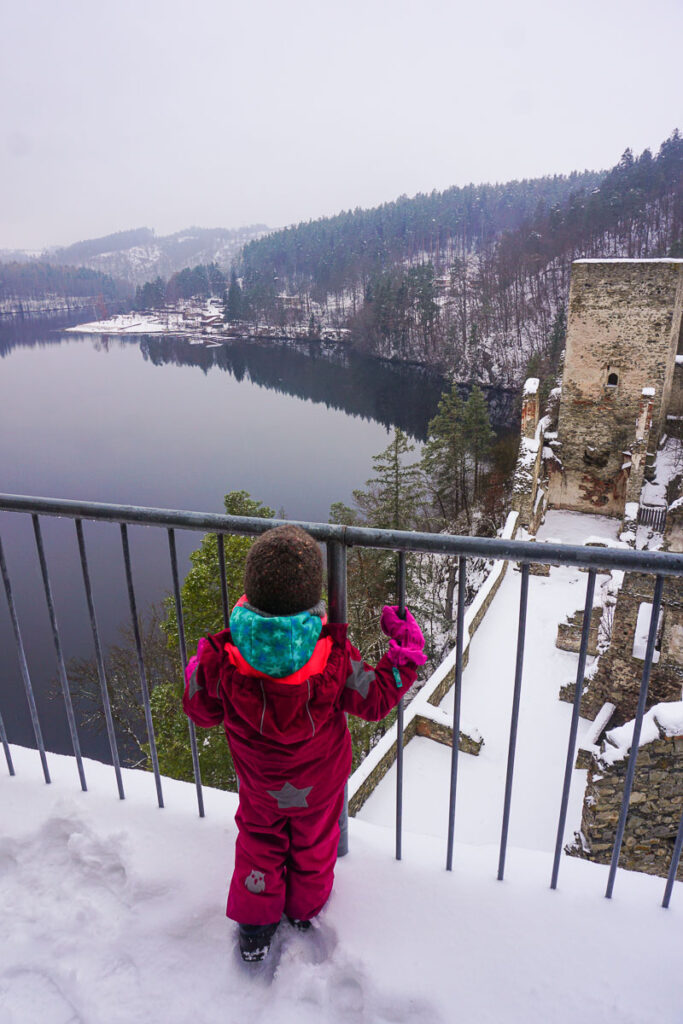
(401, 592)
(673, 868)
(144, 688)
(224, 583)
(28, 687)
(5, 747)
(521, 631)
(183, 661)
(99, 659)
(457, 693)
(571, 746)
(635, 742)
(336, 612)
(61, 667)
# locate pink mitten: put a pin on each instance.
(194, 660)
(407, 642)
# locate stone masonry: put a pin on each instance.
(623, 335)
(617, 679)
(569, 632)
(655, 809)
(619, 671)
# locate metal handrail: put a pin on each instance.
(338, 539)
(661, 563)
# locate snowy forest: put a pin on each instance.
(469, 280)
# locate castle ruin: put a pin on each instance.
(623, 376)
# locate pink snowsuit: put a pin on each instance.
(292, 752)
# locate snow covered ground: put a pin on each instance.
(114, 910)
(113, 914)
(486, 704)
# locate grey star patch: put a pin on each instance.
(359, 679)
(194, 683)
(290, 796)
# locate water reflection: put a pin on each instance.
(130, 420)
(392, 394)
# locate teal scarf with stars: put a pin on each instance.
(277, 645)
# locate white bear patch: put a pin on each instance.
(255, 881)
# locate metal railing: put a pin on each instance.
(338, 540)
(652, 515)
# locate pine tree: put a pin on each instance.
(477, 433)
(233, 305)
(391, 497)
(444, 462)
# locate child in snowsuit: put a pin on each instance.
(281, 679)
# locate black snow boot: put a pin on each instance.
(255, 940)
(296, 922)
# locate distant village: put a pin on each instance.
(204, 322)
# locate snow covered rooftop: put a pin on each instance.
(113, 914)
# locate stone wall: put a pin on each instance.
(623, 333)
(655, 809)
(529, 459)
(619, 673)
(569, 632)
(676, 400)
(618, 676)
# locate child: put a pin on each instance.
(280, 679)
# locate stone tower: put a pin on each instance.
(624, 333)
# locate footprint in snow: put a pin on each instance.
(33, 995)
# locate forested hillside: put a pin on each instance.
(38, 280)
(472, 280)
(139, 255)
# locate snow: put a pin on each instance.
(679, 360)
(648, 392)
(668, 465)
(125, 323)
(631, 510)
(661, 720)
(575, 527)
(114, 915)
(531, 386)
(642, 632)
(597, 541)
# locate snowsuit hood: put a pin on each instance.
(275, 645)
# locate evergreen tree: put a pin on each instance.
(233, 304)
(392, 494)
(444, 462)
(477, 433)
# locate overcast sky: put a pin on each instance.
(169, 113)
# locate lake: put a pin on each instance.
(163, 422)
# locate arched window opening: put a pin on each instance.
(612, 380)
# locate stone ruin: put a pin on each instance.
(594, 452)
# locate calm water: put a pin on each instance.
(162, 422)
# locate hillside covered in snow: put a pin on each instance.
(140, 255)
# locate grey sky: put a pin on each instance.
(168, 113)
